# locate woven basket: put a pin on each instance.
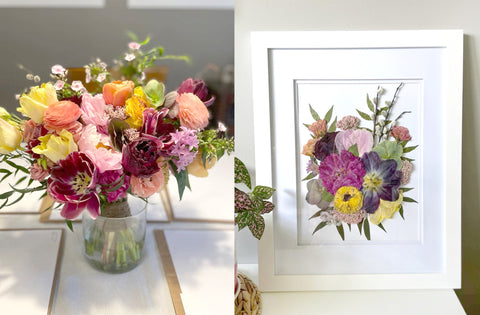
(249, 300)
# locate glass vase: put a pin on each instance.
(114, 241)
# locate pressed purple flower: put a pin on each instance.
(72, 182)
(184, 142)
(140, 157)
(109, 180)
(325, 146)
(344, 169)
(197, 87)
(154, 124)
(381, 181)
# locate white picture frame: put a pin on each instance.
(432, 57)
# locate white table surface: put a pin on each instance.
(368, 302)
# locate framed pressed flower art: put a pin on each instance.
(351, 130)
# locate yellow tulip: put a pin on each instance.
(386, 210)
(36, 102)
(55, 147)
(10, 137)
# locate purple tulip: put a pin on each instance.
(154, 123)
(325, 146)
(197, 87)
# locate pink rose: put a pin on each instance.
(62, 115)
(192, 113)
(37, 172)
(146, 186)
(309, 147)
(318, 128)
(400, 133)
(362, 138)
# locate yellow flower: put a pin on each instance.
(10, 137)
(36, 102)
(348, 199)
(134, 108)
(55, 147)
(386, 210)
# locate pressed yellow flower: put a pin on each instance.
(55, 147)
(36, 102)
(134, 108)
(348, 199)
(386, 210)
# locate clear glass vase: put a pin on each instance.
(115, 244)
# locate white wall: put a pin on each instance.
(263, 15)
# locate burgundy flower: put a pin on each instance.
(72, 182)
(109, 180)
(325, 146)
(197, 87)
(77, 99)
(154, 123)
(35, 131)
(140, 156)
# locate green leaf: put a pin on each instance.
(405, 189)
(366, 228)
(69, 224)
(29, 190)
(408, 199)
(241, 173)
(401, 212)
(328, 197)
(257, 226)
(359, 225)
(370, 104)
(321, 225)
(328, 115)
(408, 149)
(267, 207)
(353, 149)
(182, 179)
(309, 176)
(6, 195)
(364, 115)
(340, 231)
(155, 92)
(314, 113)
(333, 126)
(20, 180)
(242, 201)
(381, 226)
(17, 167)
(307, 125)
(243, 219)
(316, 214)
(263, 192)
(15, 201)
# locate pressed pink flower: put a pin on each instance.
(58, 69)
(59, 85)
(193, 113)
(318, 128)
(134, 45)
(37, 172)
(362, 138)
(309, 147)
(407, 169)
(77, 86)
(400, 133)
(348, 122)
(350, 218)
(93, 110)
(145, 187)
(312, 167)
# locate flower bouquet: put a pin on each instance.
(358, 175)
(87, 151)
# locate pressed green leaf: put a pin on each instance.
(359, 225)
(353, 149)
(267, 207)
(400, 116)
(405, 189)
(316, 214)
(349, 227)
(328, 115)
(242, 201)
(366, 228)
(333, 126)
(257, 225)
(401, 212)
(341, 231)
(69, 224)
(309, 176)
(307, 125)
(321, 225)
(370, 104)
(408, 149)
(408, 199)
(263, 192)
(241, 173)
(315, 115)
(381, 226)
(328, 197)
(364, 115)
(407, 159)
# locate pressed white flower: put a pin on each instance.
(380, 90)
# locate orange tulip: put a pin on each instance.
(117, 92)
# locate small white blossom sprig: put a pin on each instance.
(97, 72)
(65, 90)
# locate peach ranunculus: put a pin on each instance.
(117, 92)
(318, 128)
(309, 147)
(193, 113)
(145, 187)
(62, 115)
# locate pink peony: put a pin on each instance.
(407, 168)
(93, 110)
(318, 128)
(37, 172)
(348, 122)
(99, 148)
(193, 113)
(400, 133)
(146, 186)
(362, 138)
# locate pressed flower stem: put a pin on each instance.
(394, 100)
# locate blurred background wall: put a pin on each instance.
(38, 38)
